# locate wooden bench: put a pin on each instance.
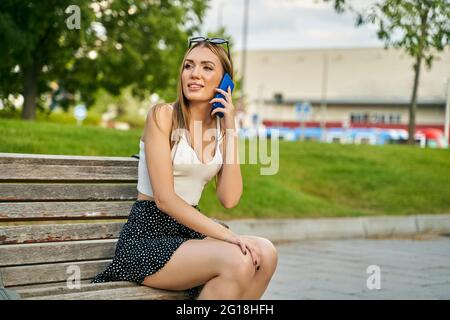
(62, 211)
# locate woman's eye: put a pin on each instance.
(186, 66)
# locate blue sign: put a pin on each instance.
(80, 112)
(303, 110)
(255, 119)
(298, 108)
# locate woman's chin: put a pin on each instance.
(197, 98)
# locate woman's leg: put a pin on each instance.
(269, 259)
(221, 266)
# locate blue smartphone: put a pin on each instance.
(224, 84)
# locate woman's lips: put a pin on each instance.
(194, 87)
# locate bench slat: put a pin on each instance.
(70, 191)
(42, 286)
(50, 159)
(59, 232)
(24, 275)
(60, 210)
(136, 293)
(61, 288)
(68, 172)
(20, 254)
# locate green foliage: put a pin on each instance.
(120, 43)
(133, 120)
(58, 116)
(421, 27)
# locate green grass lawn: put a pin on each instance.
(314, 179)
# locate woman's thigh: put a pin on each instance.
(196, 262)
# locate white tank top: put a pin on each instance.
(189, 173)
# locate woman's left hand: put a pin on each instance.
(228, 108)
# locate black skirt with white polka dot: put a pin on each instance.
(146, 243)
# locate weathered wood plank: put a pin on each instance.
(33, 253)
(135, 293)
(43, 273)
(45, 285)
(66, 172)
(62, 288)
(59, 232)
(45, 159)
(12, 211)
(71, 191)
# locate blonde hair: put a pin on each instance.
(180, 115)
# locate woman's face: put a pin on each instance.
(202, 72)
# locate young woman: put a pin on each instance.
(167, 242)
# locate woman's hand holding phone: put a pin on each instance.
(227, 108)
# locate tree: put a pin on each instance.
(119, 43)
(420, 27)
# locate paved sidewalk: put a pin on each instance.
(336, 269)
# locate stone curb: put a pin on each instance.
(341, 228)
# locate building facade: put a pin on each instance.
(356, 87)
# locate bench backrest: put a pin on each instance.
(58, 211)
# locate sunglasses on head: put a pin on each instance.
(210, 40)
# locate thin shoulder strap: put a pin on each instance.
(175, 145)
(175, 152)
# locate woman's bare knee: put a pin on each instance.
(269, 253)
(238, 266)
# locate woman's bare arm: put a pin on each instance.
(229, 185)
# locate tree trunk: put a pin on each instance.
(413, 105)
(30, 81)
(422, 40)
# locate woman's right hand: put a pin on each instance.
(246, 245)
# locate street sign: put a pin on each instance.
(303, 111)
(80, 112)
(255, 119)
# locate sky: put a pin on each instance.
(289, 24)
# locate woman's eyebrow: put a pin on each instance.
(205, 61)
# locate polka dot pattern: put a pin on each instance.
(146, 243)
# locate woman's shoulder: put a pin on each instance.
(161, 116)
(161, 112)
(164, 108)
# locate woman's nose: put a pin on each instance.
(195, 72)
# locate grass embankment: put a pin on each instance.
(313, 180)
